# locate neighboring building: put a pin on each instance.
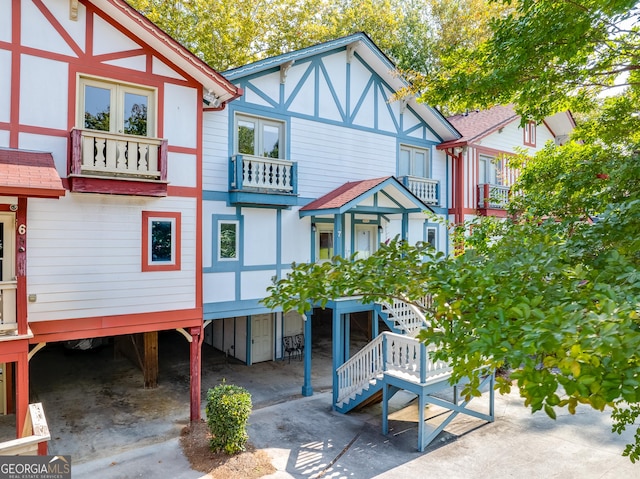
(315, 160)
(100, 183)
(481, 179)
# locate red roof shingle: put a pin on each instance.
(343, 194)
(29, 173)
(476, 124)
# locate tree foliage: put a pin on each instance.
(228, 34)
(543, 55)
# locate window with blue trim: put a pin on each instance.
(259, 137)
(432, 236)
(228, 240)
(414, 162)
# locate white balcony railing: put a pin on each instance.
(107, 154)
(8, 319)
(426, 189)
(259, 173)
(492, 196)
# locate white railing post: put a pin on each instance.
(109, 154)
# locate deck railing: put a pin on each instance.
(99, 153)
(8, 319)
(394, 353)
(262, 174)
(492, 196)
(426, 189)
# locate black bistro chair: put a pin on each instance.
(289, 346)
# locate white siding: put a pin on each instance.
(5, 83)
(56, 145)
(37, 32)
(4, 138)
(5, 20)
(254, 283)
(182, 169)
(219, 287)
(85, 258)
(181, 115)
(259, 236)
(75, 28)
(296, 237)
(328, 156)
(43, 103)
(107, 39)
(215, 168)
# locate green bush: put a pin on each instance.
(228, 410)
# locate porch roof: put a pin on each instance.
(29, 173)
(384, 195)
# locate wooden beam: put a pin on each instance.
(38, 347)
(185, 334)
(150, 360)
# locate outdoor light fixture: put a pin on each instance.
(313, 227)
(380, 229)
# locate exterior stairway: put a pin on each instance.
(396, 360)
(397, 353)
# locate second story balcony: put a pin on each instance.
(493, 196)
(426, 189)
(262, 180)
(103, 162)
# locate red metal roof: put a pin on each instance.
(344, 194)
(29, 173)
(477, 124)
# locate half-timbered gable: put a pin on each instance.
(310, 123)
(99, 101)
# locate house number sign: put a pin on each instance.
(22, 229)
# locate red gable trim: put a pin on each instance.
(29, 174)
(344, 194)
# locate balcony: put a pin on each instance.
(8, 319)
(493, 196)
(256, 180)
(426, 189)
(103, 162)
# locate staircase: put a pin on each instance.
(404, 318)
(362, 376)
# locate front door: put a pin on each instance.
(261, 338)
(8, 282)
(365, 240)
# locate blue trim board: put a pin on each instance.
(230, 309)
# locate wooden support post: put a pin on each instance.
(22, 392)
(195, 378)
(150, 359)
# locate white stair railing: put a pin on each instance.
(363, 367)
(397, 354)
(406, 317)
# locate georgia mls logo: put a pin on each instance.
(35, 467)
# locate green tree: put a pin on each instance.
(228, 34)
(543, 55)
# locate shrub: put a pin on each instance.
(228, 409)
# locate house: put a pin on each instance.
(100, 184)
(316, 159)
(481, 178)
